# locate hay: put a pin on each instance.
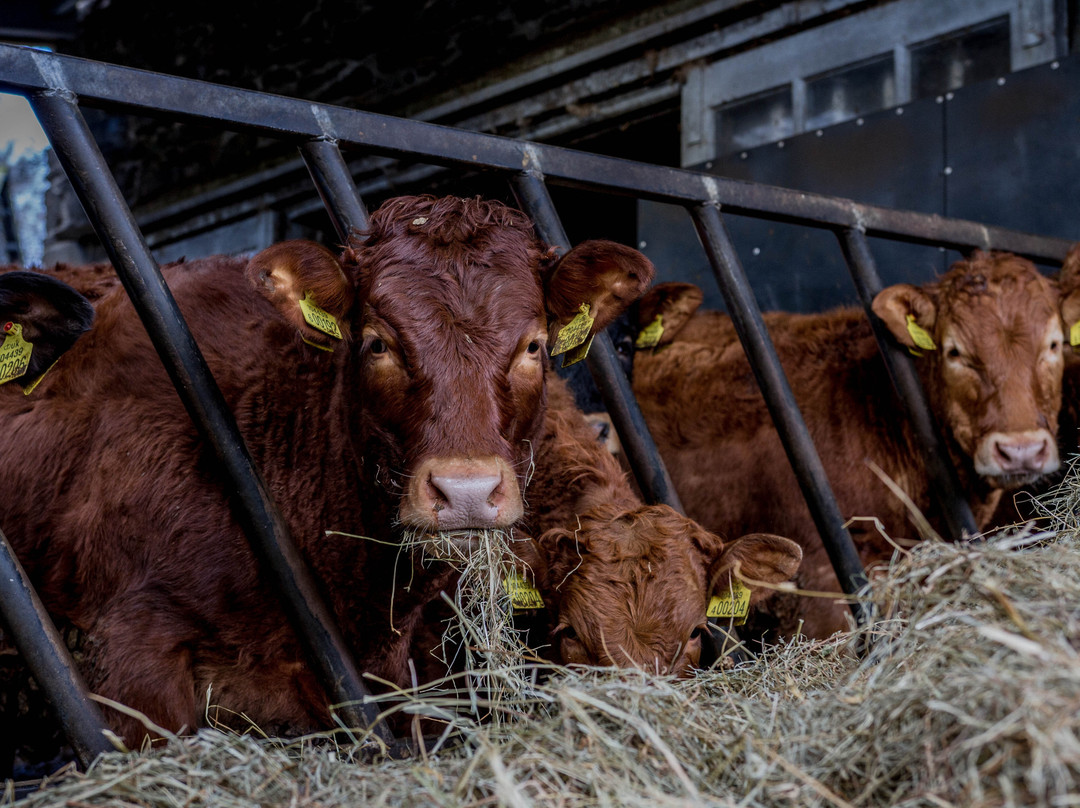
(969, 695)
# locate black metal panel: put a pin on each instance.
(887, 159)
(1013, 152)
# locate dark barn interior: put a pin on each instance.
(946, 107)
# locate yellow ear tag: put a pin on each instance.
(317, 318)
(14, 353)
(574, 332)
(1074, 334)
(649, 336)
(577, 354)
(919, 335)
(523, 595)
(735, 604)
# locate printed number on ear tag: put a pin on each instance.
(919, 335)
(14, 353)
(1074, 334)
(574, 332)
(649, 336)
(733, 604)
(523, 595)
(318, 318)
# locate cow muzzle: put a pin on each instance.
(462, 494)
(1009, 459)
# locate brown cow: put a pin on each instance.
(993, 380)
(423, 415)
(624, 583)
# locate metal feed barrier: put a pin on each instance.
(57, 85)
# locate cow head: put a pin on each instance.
(444, 312)
(664, 310)
(631, 588)
(50, 315)
(989, 337)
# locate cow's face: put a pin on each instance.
(631, 588)
(446, 309)
(994, 371)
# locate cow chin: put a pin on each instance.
(1008, 460)
(462, 494)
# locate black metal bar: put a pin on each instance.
(759, 348)
(944, 487)
(336, 188)
(262, 522)
(47, 657)
(641, 451)
(120, 88)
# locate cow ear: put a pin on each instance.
(558, 553)
(909, 313)
(664, 310)
(603, 276)
(759, 557)
(305, 282)
(40, 318)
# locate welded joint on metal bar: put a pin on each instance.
(326, 126)
(530, 160)
(858, 218)
(52, 75)
(712, 190)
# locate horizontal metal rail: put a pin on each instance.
(252, 504)
(121, 88)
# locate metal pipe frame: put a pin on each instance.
(955, 508)
(50, 663)
(252, 504)
(750, 326)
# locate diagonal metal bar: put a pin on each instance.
(264, 525)
(47, 657)
(750, 326)
(641, 451)
(336, 188)
(944, 486)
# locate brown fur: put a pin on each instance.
(121, 517)
(625, 583)
(717, 439)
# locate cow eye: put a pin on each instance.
(697, 634)
(534, 348)
(378, 346)
(1054, 345)
(953, 353)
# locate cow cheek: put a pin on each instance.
(963, 404)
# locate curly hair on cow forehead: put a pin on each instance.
(444, 220)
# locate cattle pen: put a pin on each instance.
(57, 86)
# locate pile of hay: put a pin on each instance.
(969, 695)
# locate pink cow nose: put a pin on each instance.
(1019, 455)
(462, 493)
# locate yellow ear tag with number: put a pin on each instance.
(1074, 334)
(649, 336)
(523, 595)
(14, 353)
(318, 318)
(574, 332)
(735, 604)
(919, 335)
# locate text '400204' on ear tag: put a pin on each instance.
(14, 353)
(733, 604)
